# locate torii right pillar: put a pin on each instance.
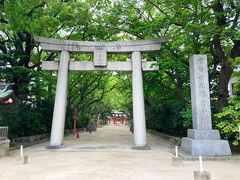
(202, 139)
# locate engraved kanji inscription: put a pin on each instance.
(203, 93)
(201, 85)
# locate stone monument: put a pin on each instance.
(202, 139)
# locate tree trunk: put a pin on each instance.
(224, 78)
(226, 69)
(225, 74)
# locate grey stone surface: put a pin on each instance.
(100, 56)
(177, 161)
(172, 140)
(4, 147)
(28, 140)
(31, 140)
(204, 134)
(60, 103)
(201, 175)
(200, 97)
(55, 147)
(141, 147)
(138, 102)
(224, 158)
(205, 147)
(22, 159)
(144, 46)
(89, 66)
(3, 133)
(202, 140)
(50, 65)
(186, 156)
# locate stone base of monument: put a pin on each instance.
(141, 147)
(202, 175)
(22, 159)
(4, 147)
(205, 142)
(177, 161)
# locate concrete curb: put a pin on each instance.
(188, 157)
(31, 140)
(171, 140)
(28, 140)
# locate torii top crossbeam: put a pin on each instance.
(88, 47)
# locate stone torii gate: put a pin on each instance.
(100, 63)
(201, 140)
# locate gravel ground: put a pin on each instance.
(107, 154)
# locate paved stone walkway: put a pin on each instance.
(106, 139)
(107, 154)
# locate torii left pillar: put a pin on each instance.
(140, 141)
(60, 104)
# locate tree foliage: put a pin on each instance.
(228, 121)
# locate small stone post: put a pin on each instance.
(176, 160)
(22, 159)
(60, 104)
(201, 175)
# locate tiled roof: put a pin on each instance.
(5, 91)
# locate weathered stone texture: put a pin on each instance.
(4, 148)
(138, 101)
(60, 103)
(202, 140)
(177, 161)
(200, 97)
(22, 159)
(205, 147)
(117, 47)
(100, 56)
(202, 175)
